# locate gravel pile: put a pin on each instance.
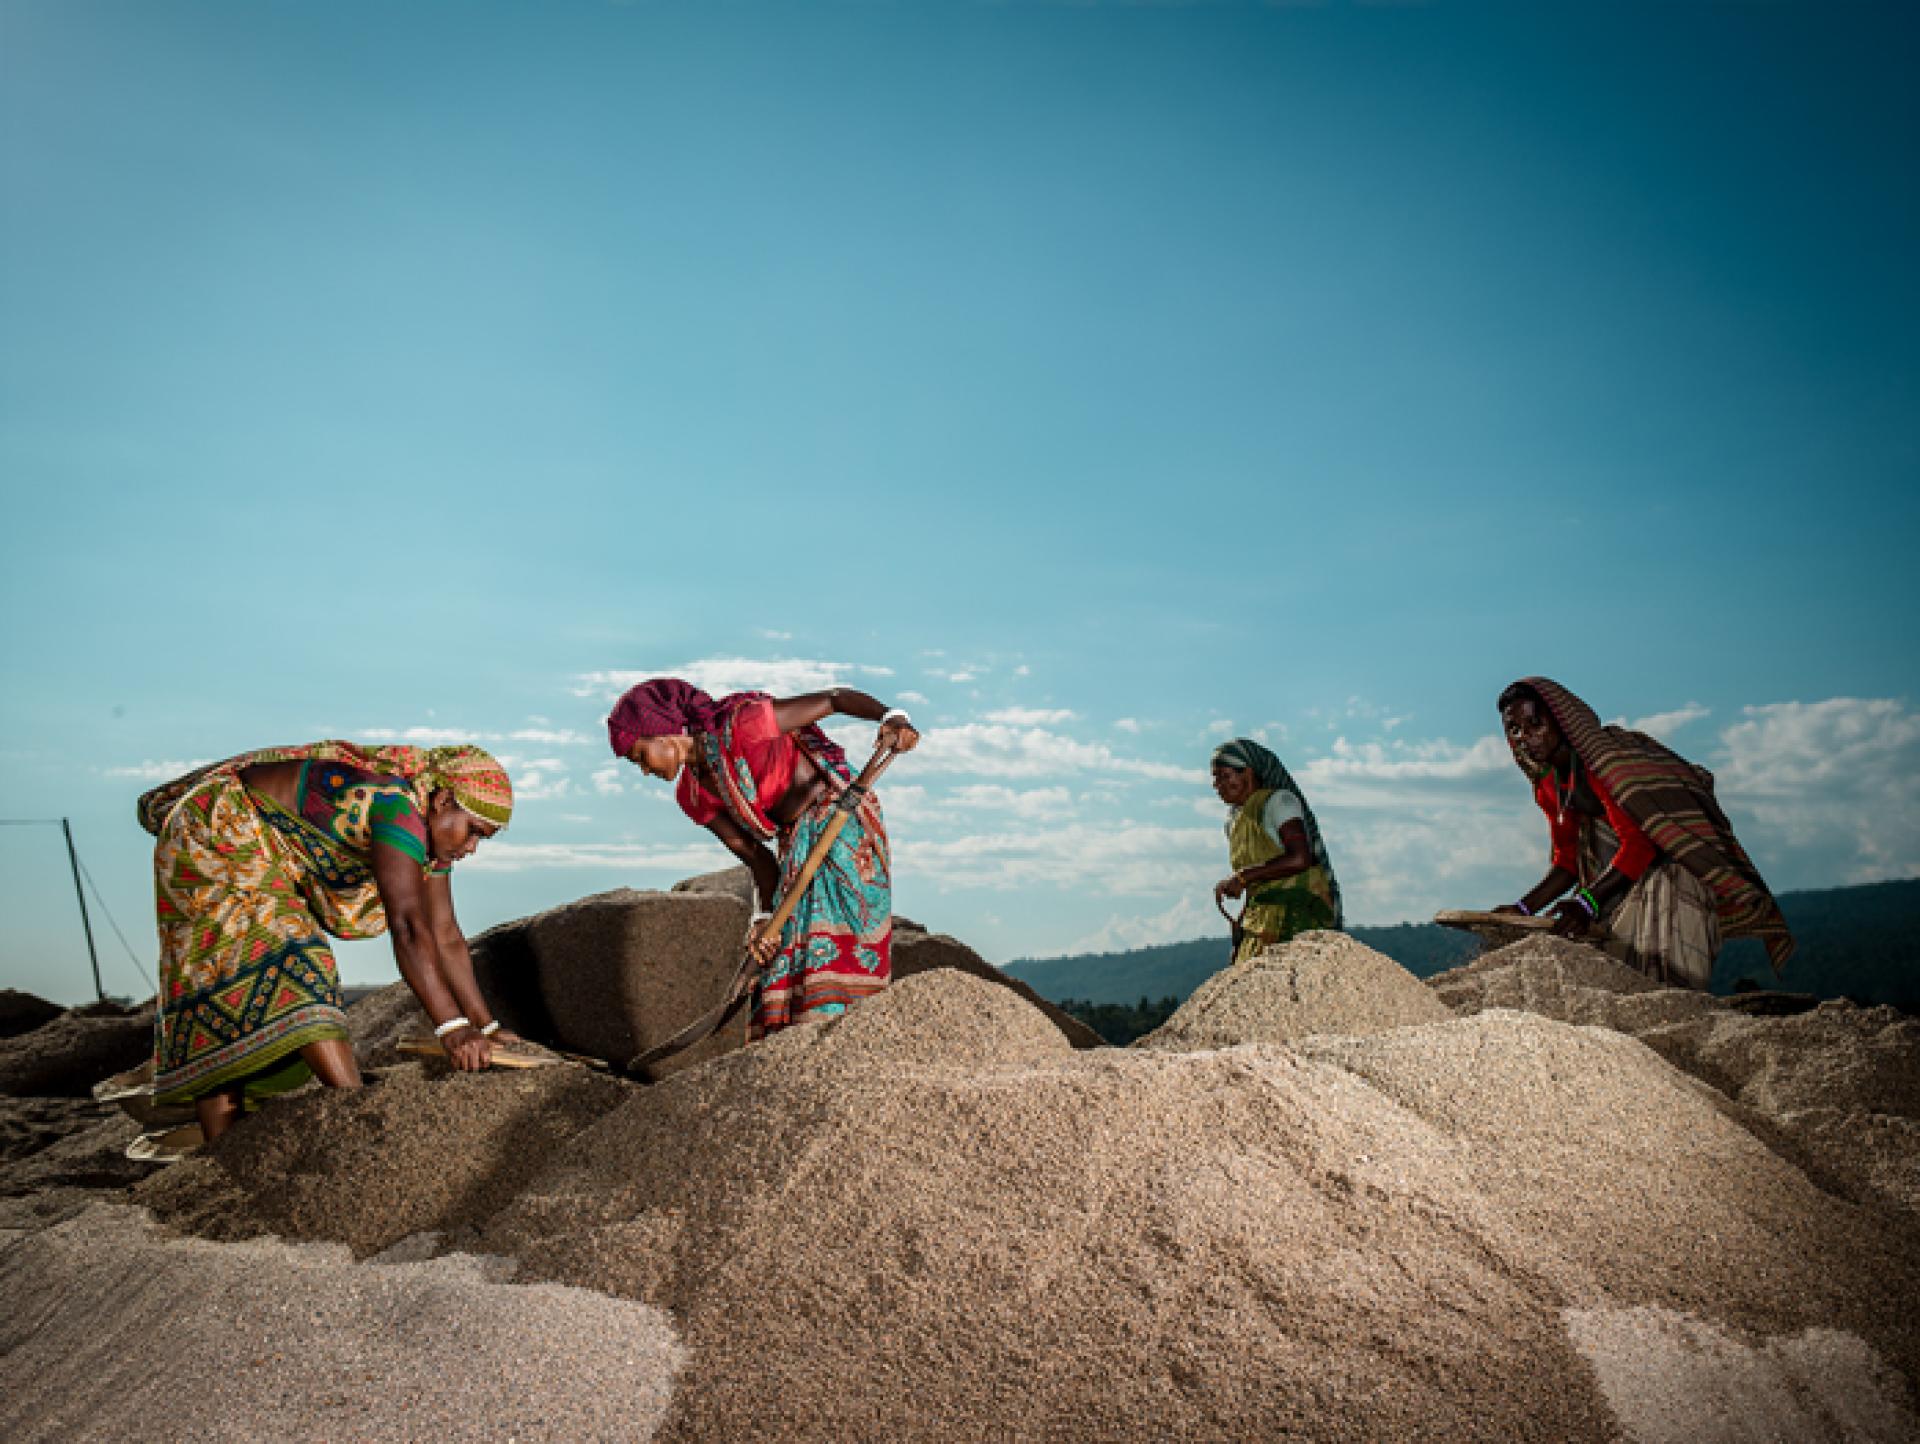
(117, 1332)
(67, 1056)
(975, 1233)
(1319, 982)
(419, 1148)
(23, 1012)
(1836, 1088)
(934, 1219)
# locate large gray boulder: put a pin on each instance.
(621, 971)
(918, 951)
(728, 882)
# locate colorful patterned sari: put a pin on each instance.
(245, 892)
(838, 946)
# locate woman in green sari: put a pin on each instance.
(1273, 840)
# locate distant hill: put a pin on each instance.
(1856, 942)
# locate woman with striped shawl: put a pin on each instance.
(257, 859)
(1273, 842)
(1643, 859)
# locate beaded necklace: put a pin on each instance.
(1563, 799)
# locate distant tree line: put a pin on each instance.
(1121, 1023)
(1860, 942)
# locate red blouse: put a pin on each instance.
(1636, 852)
(770, 755)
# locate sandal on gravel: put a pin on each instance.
(167, 1145)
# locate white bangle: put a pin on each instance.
(450, 1026)
(896, 714)
(490, 1029)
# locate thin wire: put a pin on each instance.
(139, 966)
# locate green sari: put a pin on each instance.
(1285, 907)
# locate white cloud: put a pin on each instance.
(553, 737)
(1380, 774)
(996, 750)
(1789, 747)
(1191, 916)
(1664, 724)
(682, 860)
(1032, 716)
(1825, 792)
(1035, 802)
(1127, 724)
(606, 780)
(774, 636)
(913, 699)
(424, 736)
(719, 675)
(1023, 670)
(1124, 858)
(1220, 727)
(155, 771)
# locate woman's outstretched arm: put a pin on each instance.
(792, 713)
(416, 948)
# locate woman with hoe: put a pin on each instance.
(754, 771)
(1273, 841)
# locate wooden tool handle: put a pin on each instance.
(843, 808)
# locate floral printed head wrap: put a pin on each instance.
(478, 782)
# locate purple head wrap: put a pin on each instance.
(663, 707)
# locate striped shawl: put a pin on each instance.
(1673, 802)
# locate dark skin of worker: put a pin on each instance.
(665, 757)
(427, 943)
(1539, 746)
(1235, 785)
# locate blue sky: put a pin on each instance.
(1109, 376)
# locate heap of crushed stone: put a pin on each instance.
(1319, 982)
(932, 1218)
(1374, 1241)
(378, 1023)
(1835, 1089)
(1572, 982)
(419, 1148)
(267, 1340)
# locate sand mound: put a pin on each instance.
(1675, 1380)
(1317, 983)
(933, 1218)
(266, 1340)
(1375, 1241)
(23, 1012)
(916, 951)
(66, 1057)
(1835, 1089)
(419, 1148)
(78, 1149)
(377, 1022)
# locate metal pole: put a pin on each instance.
(74, 858)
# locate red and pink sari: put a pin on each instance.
(838, 946)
